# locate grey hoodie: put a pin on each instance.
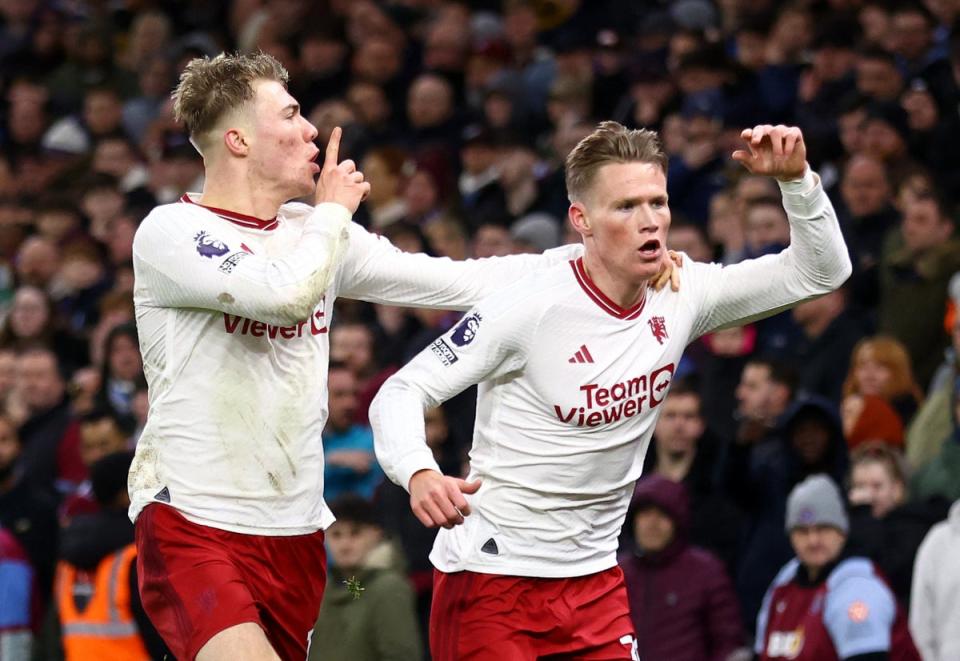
(935, 598)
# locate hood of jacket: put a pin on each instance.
(835, 459)
(672, 499)
(88, 538)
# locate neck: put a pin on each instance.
(815, 327)
(617, 289)
(674, 465)
(234, 190)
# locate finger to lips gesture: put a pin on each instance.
(777, 151)
(340, 182)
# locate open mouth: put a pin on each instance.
(650, 249)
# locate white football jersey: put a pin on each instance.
(233, 314)
(571, 385)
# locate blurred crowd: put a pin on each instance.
(460, 115)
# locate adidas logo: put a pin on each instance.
(163, 495)
(490, 546)
(582, 355)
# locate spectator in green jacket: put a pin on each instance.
(368, 611)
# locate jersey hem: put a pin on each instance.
(528, 570)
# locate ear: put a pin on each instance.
(235, 140)
(577, 213)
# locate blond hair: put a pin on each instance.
(209, 88)
(611, 142)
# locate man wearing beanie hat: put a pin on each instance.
(826, 604)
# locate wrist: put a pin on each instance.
(795, 176)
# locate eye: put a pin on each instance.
(625, 206)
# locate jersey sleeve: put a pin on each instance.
(489, 342)
(815, 263)
(179, 261)
(376, 271)
(859, 615)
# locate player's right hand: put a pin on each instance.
(437, 500)
(341, 183)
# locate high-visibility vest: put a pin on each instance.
(105, 629)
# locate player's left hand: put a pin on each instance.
(669, 272)
(776, 151)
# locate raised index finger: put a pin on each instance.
(333, 149)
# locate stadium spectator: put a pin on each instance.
(936, 588)
(28, 513)
(33, 322)
(808, 440)
(97, 602)
(685, 451)
(825, 602)
(941, 475)
(867, 217)
(934, 420)
(121, 372)
(528, 450)
(50, 435)
(830, 330)
(102, 433)
(383, 168)
(18, 606)
(884, 525)
(349, 462)
(881, 367)
(914, 274)
(368, 609)
(681, 599)
(353, 343)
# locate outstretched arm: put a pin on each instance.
(815, 263)
(376, 271)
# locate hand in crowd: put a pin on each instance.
(341, 183)
(437, 500)
(775, 151)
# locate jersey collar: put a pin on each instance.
(240, 219)
(601, 299)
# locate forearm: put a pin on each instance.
(276, 290)
(379, 273)
(815, 263)
(396, 416)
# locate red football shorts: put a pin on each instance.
(196, 581)
(488, 617)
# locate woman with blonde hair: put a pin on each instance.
(880, 367)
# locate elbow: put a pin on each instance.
(294, 305)
(839, 275)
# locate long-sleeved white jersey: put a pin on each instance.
(233, 313)
(569, 395)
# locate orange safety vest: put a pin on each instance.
(105, 630)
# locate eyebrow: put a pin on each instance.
(640, 199)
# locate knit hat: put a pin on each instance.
(816, 501)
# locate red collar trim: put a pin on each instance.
(601, 299)
(236, 218)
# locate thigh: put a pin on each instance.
(189, 585)
(600, 618)
(241, 642)
(287, 577)
(482, 617)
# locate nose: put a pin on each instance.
(646, 218)
(312, 131)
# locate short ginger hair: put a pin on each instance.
(610, 142)
(210, 88)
